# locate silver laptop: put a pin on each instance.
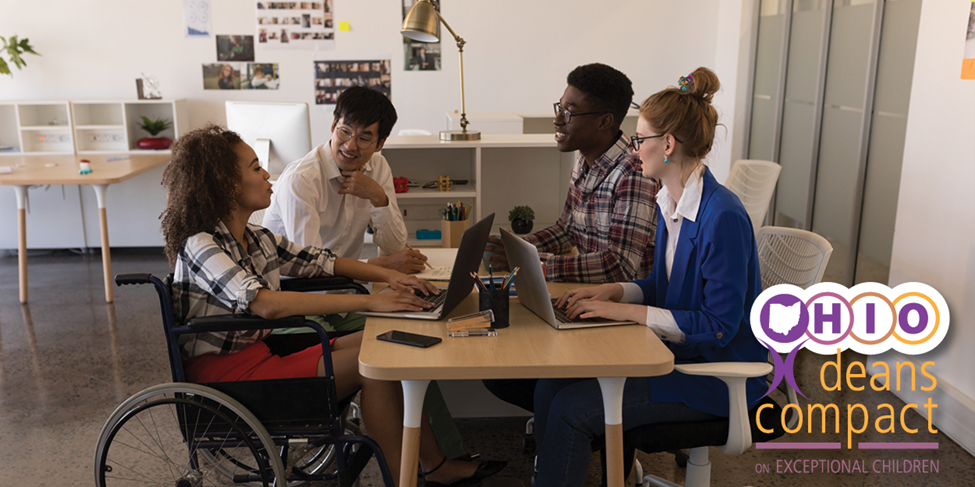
(468, 260)
(532, 291)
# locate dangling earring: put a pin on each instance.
(666, 159)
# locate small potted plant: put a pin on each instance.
(154, 127)
(521, 218)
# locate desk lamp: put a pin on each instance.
(422, 25)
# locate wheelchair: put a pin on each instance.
(262, 432)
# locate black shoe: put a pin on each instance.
(484, 470)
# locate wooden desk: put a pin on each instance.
(529, 348)
(29, 170)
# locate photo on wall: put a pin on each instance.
(235, 48)
(333, 77)
(968, 61)
(221, 76)
(295, 25)
(419, 56)
(261, 76)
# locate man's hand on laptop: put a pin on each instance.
(397, 301)
(406, 261)
(499, 261)
(605, 292)
(402, 282)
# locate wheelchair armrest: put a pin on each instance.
(733, 374)
(203, 324)
(324, 283)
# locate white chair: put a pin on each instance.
(754, 182)
(785, 256)
(791, 256)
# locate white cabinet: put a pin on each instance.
(503, 171)
(112, 126)
(36, 127)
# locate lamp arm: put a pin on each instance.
(460, 48)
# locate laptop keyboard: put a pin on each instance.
(436, 300)
(561, 317)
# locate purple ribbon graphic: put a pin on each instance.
(784, 369)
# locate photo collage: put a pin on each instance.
(333, 77)
(295, 25)
(236, 69)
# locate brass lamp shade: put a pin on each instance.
(422, 23)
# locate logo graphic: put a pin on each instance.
(869, 318)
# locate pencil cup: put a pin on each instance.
(497, 301)
(451, 232)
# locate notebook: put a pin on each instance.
(468, 260)
(532, 291)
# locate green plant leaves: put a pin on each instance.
(154, 126)
(13, 49)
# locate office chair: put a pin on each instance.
(753, 181)
(260, 432)
(786, 256)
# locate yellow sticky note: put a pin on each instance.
(344, 26)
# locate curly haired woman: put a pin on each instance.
(222, 265)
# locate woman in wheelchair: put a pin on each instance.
(697, 298)
(223, 265)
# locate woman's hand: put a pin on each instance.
(605, 292)
(402, 282)
(398, 301)
(591, 308)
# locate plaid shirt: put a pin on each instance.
(214, 275)
(610, 215)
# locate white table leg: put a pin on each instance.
(100, 190)
(21, 192)
(413, 393)
(612, 389)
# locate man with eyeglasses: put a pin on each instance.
(610, 213)
(329, 197)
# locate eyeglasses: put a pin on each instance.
(344, 134)
(636, 140)
(567, 115)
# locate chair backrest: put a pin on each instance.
(791, 256)
(754, 182)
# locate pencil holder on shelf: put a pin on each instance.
(451, 232)
(498, 301)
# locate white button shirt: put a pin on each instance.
(307, 208)
(662, 321)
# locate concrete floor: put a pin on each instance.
(67, 359)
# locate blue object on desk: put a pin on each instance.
(497, 284)
(428, 234)
(110, 159)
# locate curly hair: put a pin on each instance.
(607, 88)
(202, 182)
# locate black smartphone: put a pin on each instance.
(405, 338)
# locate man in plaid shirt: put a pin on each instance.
(610, 213)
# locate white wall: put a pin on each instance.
(934, 235)
(516, 59)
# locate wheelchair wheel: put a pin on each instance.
(159, 435)
(316, 461)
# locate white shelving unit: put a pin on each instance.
(503, 171)
(112, 126)
(35, 127)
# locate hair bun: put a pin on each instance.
(701, 83)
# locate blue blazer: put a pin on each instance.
(714, 281)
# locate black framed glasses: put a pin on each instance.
(636, 140)
(345, 134)
(567, 115)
